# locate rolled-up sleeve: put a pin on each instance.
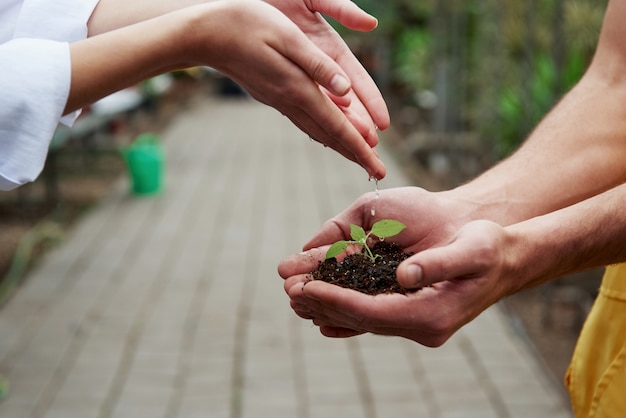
(35, 83)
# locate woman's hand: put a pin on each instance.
(250, 41)
(280, 66)
(365, 98)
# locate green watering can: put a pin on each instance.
(145, 160)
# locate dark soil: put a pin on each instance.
(359, 272)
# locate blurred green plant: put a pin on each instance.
(4, 387)
(515, 118)
(412, 56)
(507, 63)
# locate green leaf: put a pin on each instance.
(358, 234)
(387, 228)
(336, 249)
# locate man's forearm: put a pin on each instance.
(579, 237)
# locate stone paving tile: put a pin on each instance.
(171, 306)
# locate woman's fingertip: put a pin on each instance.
(339, 85)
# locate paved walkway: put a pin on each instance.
(172, 307)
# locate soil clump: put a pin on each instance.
(358, 272)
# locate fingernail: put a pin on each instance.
(414, 276)
(339, 84)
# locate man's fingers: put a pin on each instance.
(336, 332)
(330, 232)
(472, 254)
(343, 313)
(302, 263)
(430, 266)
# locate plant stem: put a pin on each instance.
(371, 255)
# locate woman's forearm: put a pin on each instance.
(250, 41)
(114, 14)
(114, 60)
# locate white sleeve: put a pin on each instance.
(35, 83)
(58, 20)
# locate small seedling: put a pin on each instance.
(381, 229)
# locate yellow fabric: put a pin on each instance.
(596, 377)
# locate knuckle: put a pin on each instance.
(485, 253)
(337, 128)
(317, 67)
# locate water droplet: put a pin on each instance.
(376, 194)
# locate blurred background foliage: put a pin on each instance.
(488, 67)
